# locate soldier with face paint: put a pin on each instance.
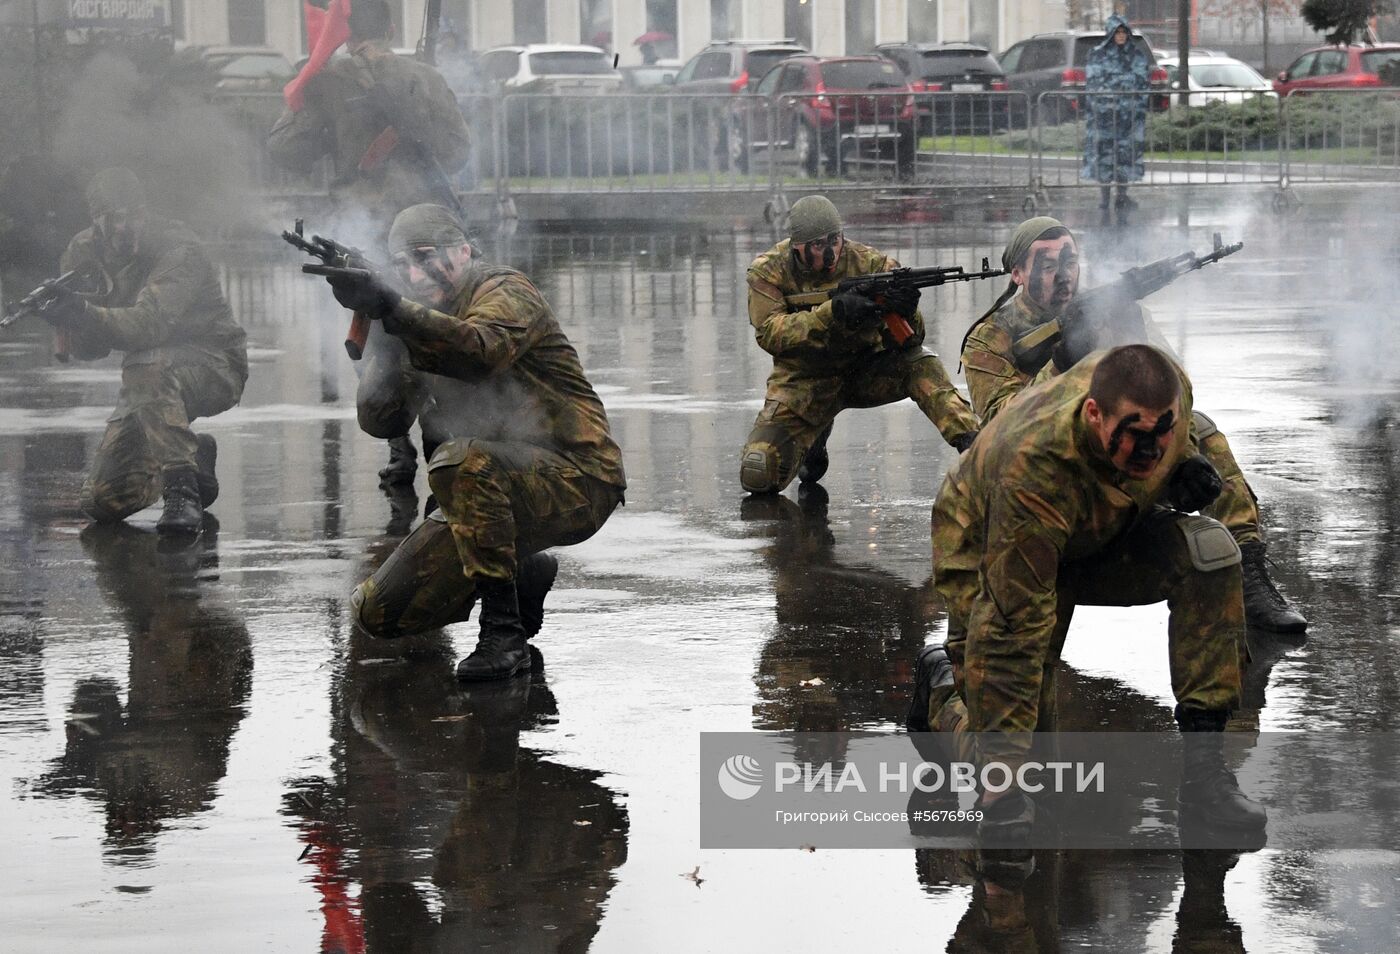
(830, 354)
(1080, 493)
(525, 459)
(1043, 258)
(156, 297)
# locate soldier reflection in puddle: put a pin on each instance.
(1058, 899)
(163, 755)
(457, 836)
(843, 635)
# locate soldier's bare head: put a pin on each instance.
(370, 20)
(430, 253)
(815, 228)
(1132, 407)
(117, 203)
(1048, 270)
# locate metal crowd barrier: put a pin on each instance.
(919, 143)
(1341, 136)
(1229, 140)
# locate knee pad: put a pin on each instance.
(1205, 427)
(1208, 543)
(758, 471)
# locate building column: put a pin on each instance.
(828, 27)
(892, 20)
(563, 22)
(762, 19)
(629, 22)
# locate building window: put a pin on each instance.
(531, 21)
(984, 23)
(797, 21)
(247, 23)
(923, 21)
(595, 23)
(724, 19)
(860, 26)
(661, 22)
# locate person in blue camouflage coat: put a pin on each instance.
(1115, 127)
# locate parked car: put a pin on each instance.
(1217, 79)
(230, 69)
(550, 68)
(1055, 62)
(649, 76)
(952, 68)
(733, 66)
(1337, 67)
(828, 110)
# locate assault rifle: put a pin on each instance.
(332, 253)
(37, 302)
(877, 284)
(1111, 310)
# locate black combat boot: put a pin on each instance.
(1125, 202)
(532, 584)
(1105, 196)
(816, 460)
(933, 670)
(1209, 791)
(182, 513)
(204, 458)
(501, 650)
(403, 463)
(1264, 605)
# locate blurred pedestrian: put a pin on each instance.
(1115, 127)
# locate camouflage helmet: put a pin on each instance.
(114, 189)
(425, 224)
(811, 217)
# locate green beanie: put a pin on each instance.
(811, 217)
(114, 189)
(424, 224)
(1025, 236)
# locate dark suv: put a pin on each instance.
(1056, 62)
(830, 110)
(950, 68)
(733, 66)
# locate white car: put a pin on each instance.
(1218, 79)
(550, 68)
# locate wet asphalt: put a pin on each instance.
(199, 752)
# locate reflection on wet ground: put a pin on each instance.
(202, 754)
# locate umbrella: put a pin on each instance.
(652, 36)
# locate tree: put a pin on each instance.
(1343, 20)
(1246, 13)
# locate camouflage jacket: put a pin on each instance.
(350, 103)
(995, 373)
(1035, 490)
(525, 382)
(792, 320)
(167, 296)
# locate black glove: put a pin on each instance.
(66, 309)
(902, 301)
(853, 310)
(358, 289)
(963, 441)
(1194, 485)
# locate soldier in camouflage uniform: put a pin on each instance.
(527, 460)
(154, 295)
(830, 354)
(395, 133)
(1081, 492)
(1043, 258)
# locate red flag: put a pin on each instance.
(326, 30)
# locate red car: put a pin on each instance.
(829, 111)
(1337, 67)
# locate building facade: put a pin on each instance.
(829, 27)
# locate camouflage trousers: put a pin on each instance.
(796, 414)
(1150, 563)
(149, 432)
(498, 503)
(1236, 506)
